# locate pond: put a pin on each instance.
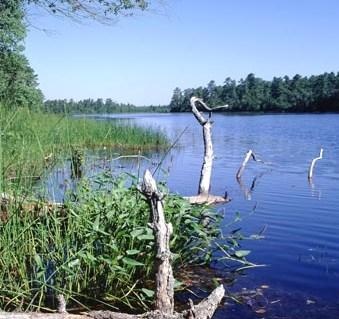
(301, 219)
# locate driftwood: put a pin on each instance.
(164, 303)
(310, 171)
(206, 169)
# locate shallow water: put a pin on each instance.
(301, 244)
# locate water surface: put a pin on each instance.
(301, 244)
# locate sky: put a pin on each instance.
(185, 44)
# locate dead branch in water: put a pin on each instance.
(310, 171)
(206, 169)
(250, 154)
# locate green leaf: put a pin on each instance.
(73, 263)
(242, 253)
(146, 237)
(96, 223)
(38, 260)
(137, 232)
(131, 262)
(177, 284)
(149, 293)
(132, 252)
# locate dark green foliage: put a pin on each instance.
(90, 106)
(99, 247)
(252, 94)
(18, 83)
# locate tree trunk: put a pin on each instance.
(206, 169)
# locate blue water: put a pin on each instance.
(301, 244)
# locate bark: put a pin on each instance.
(206, 169)
(310, 171)
(162, 231)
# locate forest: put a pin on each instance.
(90, 106)
(299, 94)
(316, 93)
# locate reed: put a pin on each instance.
(97, 250)
(30, 142)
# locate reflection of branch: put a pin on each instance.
(310, 171)
(248, 191)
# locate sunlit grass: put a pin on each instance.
(30, 142)
(98, 249)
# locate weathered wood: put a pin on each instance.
(206, 308)
(162, 231)
(207, 199)
(310, 171)
(244, 163)
(206, 169)
(36, 315)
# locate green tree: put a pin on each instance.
(176, 104)
(18, 83)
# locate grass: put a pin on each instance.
(30, 142)
(98, 249)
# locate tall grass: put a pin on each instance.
(97, 249)
(30, 142)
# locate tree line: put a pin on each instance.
(317, 93)
(90, 106)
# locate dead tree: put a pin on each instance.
(206, 170)
(164, 303)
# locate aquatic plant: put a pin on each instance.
(97, 249)
(31, 142)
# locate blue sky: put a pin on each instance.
(184, 43)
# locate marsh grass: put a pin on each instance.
(97, 250)
(31, 142)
